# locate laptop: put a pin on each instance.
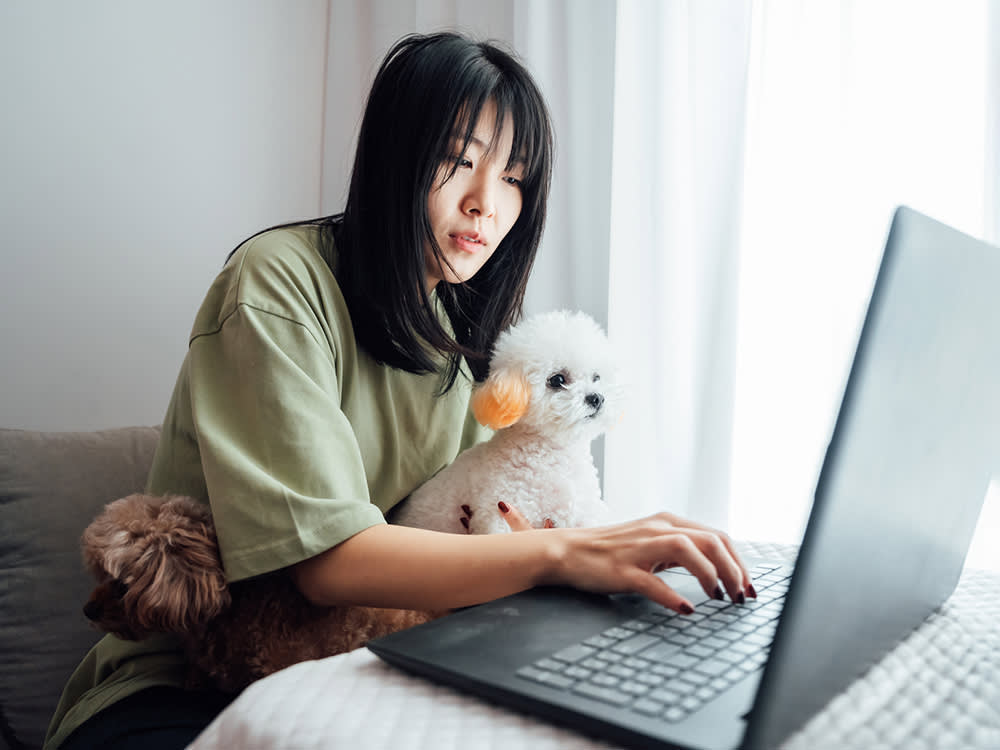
(914, 448)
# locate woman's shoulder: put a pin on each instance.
(281, 271)
(290, 253)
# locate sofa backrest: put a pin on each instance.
(51, 486)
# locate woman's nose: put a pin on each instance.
(480, 200)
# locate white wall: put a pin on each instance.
(139, 143)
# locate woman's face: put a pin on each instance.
(473, 211)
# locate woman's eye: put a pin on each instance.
(557, 381)
(512, 181)
(462, 161)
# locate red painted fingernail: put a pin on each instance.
(467, 510)
(503, 507)
(465, 521)
(686, 609)
(740, 598)
(751, 591)
(717, 594)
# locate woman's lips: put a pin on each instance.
(468, 243)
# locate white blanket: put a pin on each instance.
(940, 688)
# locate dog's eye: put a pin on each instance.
(596, 377)
(557, 381)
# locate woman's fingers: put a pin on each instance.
(657, 590)
(514, 518)
(718, 547)
(517, 521)
(683, 549)
(727, 569)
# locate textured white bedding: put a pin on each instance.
(938, 689)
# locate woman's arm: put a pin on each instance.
(397, 566)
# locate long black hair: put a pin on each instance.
(428, 89)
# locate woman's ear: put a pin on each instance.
(501, 400)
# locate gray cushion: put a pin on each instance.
(51, 486)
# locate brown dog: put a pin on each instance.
(157, 563)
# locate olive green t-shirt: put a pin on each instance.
(295, 436)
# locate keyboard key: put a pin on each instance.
(550, 665)
(617, 633)
(647, 707)
(665, 695)
(719, 683)
(698, 651)
(728, 635)
(679, 660)
(713, 667)
(605, 680)
(663, 653)
(633, 687)
(545, 678)
(599, 641)
(577, 672)
(594, 663)
(732, 657)
(655, 618)
(698, 631)
(620, 670)
(665, 670)
(690, 703)
(714, 604)
(675, 713)
(637, 625)
(635, 644)
(636, 663)
(650, 678)
(695, 678)
(681, 639)
(574, 653)
(604, 694)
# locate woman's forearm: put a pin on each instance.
(398, 566)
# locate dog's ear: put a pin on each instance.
(158, 567)
(501, 400)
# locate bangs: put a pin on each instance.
(531, 148)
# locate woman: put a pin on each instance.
(329, 373)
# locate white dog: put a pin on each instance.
(552, 389)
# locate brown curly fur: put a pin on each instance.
(158, 567)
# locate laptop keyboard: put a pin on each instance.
(667, 665)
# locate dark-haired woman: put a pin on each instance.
(328, 374)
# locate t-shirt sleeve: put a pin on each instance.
(282, 466)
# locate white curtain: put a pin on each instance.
(854, 107)
(680, 98)
(759, 149)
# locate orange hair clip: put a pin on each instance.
(501, 400)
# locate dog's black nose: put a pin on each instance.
(594, 400)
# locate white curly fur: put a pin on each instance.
(541, 464)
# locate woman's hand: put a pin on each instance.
(514, 519)
(625, 557)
